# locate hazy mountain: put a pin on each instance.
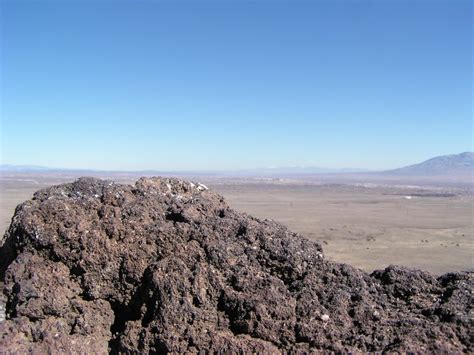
(23, 168)
(294, 170)
(445, 165)
(452, 166)
(270, 171)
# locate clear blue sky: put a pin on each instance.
(234, 84)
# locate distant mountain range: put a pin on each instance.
(294, 170)
(445, 165)
(242, 172)
(24, 168)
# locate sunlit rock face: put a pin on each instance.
(166, 266)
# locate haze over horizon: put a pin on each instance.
(158, 85)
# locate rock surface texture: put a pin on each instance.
(166, 266)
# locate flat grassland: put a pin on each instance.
(367, 227)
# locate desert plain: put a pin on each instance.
(369, 226)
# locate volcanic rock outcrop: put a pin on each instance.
(166, 266)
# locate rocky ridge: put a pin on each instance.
(166, 266)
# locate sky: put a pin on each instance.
(219, 85)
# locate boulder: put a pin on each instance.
(166, 265)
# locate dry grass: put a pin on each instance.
(369, 228)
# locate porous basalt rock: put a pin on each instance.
(166, 266)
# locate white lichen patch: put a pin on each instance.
(202, 187)
(2, 312)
